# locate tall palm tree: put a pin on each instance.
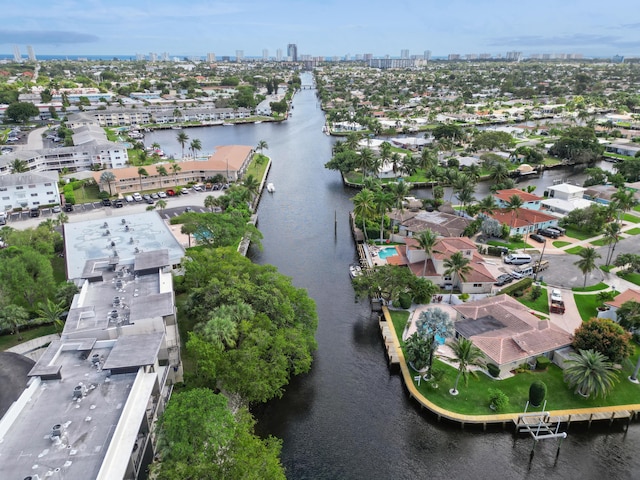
(487, 205)
(142, 172)
(252, 184)
(364, 207)
(384, 201)
(456, 266)
(467, 355)
(366, 161)
(262, 145)
(587, 262)
(175, 168)
(161, 204)
(195, 146)
(498, 172)
(611, 238)
(465, 197)
(182, 139)
(399, 190)
(108, 177)
(514, 204)
(625, 198)
(427, 240)
(62, 218)
(210, 202)
(591, 373)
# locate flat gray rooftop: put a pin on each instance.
(87, 424)
(125, 235)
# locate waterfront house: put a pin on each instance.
(523, 220)
(507, 333)
(529, 200)
(478, 280)
(411, 222)
(565, 198)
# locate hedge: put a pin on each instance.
(519, 286)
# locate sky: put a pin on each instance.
(320, 27)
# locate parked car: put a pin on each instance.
(137, 197)
(560, 230)
(547, 232)
(184, 191)
(171, 192)
(128, 198)
(34, 212)
(537, 238)
(162, 195)
(556, 295)
(517, 258)
(106, 202)
(56, 209)
(197, 188)
(68, 207)
(155, 196)
(146, 197)
(118, 203)
(503, 279)
(149, 200)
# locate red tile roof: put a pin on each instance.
(505, 195)
(506, 331)
(522, 217)
(626, 296)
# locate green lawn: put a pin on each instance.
(631, 277)
(633, 231)
(592, 288)
(473, 399)
(258, 166)
(574, 250)
(560, 243)
(607, 268)
(573, 233)
(541, 304)
(636, 208)
(88, 193)
(587, 305)
(628, 217)
(599, 243)
(509, 245)
(8, 341)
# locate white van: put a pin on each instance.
(521, 272)
(517, 258)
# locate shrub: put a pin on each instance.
(542, 363)
(537, 392)
(536, 292)
(404, 300)
(464, 297)
(498, 399)
(495, 251)
(493, 370)
(519, 286)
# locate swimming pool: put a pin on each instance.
(387, 252)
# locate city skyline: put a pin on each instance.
(320, 28)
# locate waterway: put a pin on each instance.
(350, 417)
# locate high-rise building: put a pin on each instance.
(404, 53)
(239, 55)
(17, 57)
(165, 56)
(211, 57)
(139, 56)
(427, 55)
(265, 54)
(292, 52)
(153, 57)
(514, 56)
(279, 55)
(31, 53)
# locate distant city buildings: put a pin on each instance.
(211, 57)
(279, 55)
(404, 54)
(265, 54)
(292, 52)
(31, 53)
(17, 57)
(239, 55)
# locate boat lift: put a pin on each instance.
(540, 427)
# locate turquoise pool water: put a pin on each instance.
(387, 252)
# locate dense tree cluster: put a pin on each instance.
(604, 336)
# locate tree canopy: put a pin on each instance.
(21, 111)
(604, 336)
(200, 438)
(390, 281)
(271, 343)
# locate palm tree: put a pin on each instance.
(161, 204)
(364, 207)
(50, 312)
(467, 355)
(399, 190)
(62, 218)
(625, 198)
(195, 146)
(13, 317)
(498, 172)
(18, 166)
(108, 177)
(175, 168)
(487, 205)
(366, 161)
(456, 266)
(587, 262)
(252, 184)
(262, 145)
(427, 240)
(465, 197)
(384, 201)
(611, 238)
(591, 373)
(210, 201)
(142, 172)
(182, 140)
(513, 205)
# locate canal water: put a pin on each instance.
(350, 417)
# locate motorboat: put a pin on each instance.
(355, 270)
(271, 188)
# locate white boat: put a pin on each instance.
(355, 270)
(271, 188)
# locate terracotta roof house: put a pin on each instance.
(629, 295)
(507, 333)
(411, 223)
(478, 280)
(530, 201)
(524, 220)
